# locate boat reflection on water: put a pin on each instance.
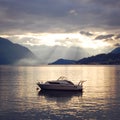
(59, 96)
(53, 93)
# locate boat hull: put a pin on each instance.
(60, 87)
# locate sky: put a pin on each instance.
(87, 24)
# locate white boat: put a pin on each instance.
(61, 84)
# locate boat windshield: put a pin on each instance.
(60, 80)
(63, 79)
(69, 82)
(52, 82)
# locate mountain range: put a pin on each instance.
(15, 54)
(111, 58)
(63, 61)
(11, 53)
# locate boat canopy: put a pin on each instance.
(60, 80)
(63, 79)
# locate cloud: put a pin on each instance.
(25, 39)
(104, 37)
(112, 39)
(58, 16)
(117, 45)
(69, 42)
(73, 12)
(117, 37)
(27, 62)
(86, 33)
(106, 2)
(90, 17)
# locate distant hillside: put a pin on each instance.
(110, 58)
(63, 62)
(116, 50)
(11, 53)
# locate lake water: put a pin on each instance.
(100, 100)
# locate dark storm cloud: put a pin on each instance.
(110, 13)
(86, 33)
(117, 37)
(107, 2)
(104, 37)
(117, 45)
(58, 15)
(37, 7)
(31, 15)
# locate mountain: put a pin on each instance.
(116, 50)
(111, 58)
(63, 62)
(11, 53)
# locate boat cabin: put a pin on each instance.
(60, 80)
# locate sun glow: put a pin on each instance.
(61, 39)
(68, 39)
(94, 44)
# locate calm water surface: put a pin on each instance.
(19, 99)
